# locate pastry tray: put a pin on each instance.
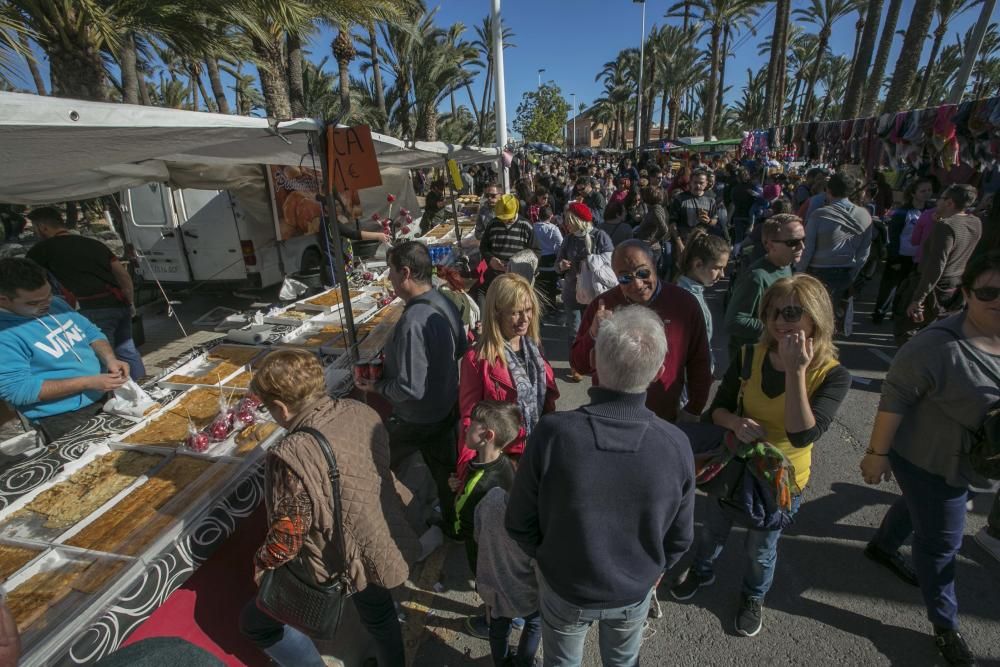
(372, 343)
(201, 364)
(98, 580)
(285, 316)
(334, 344)
(305, 304)
(18, 522)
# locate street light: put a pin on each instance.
(638, 96)
(540, 77)
(501, 93)
(574, 121)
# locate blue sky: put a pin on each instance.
(572, 39)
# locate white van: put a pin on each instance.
(182, 235)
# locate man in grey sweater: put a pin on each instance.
(838, 240)
(946, 252)
(420, 380)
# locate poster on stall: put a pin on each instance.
(297, 210)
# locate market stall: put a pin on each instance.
(99, 528)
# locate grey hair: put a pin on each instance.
(631, 347)
(639, 245)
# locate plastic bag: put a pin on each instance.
(596, 277)
(130, 401)
(291, 289)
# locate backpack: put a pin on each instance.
(984, 454)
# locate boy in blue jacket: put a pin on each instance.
(51, 357)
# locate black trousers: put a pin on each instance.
(438, 445)
(375, 607)
(54, 427)
(895, 271)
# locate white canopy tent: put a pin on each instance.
(56, 149)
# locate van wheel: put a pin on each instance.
(311, 261)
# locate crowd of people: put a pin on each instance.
(573, 517)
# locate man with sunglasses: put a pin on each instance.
(784, 240)
(688, 352)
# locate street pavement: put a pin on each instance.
(829, 605)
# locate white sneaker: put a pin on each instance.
(990, 544)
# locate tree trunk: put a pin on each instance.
(194, 85)
(472, 100)
(939, 34)
(486, 101)
(781, 75)
(215, 80)
(127, 61)
(722, 74)
(36, 74)
(377, 72)
(273, 79)
(345, 86)
(664, 133)
(881, 59)
(144, 91)
(431, 123)
(807, 106)
(708, 123)
(296, 87)
(675, 108)
(78, 71)
(859, 27)
(209, 103)
(909, 57)
(795, 99)
(859, 69)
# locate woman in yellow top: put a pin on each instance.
(793, 389)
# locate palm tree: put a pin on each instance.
(29, 57)
(440, 67)
(874, 84)
(716, 14)
(986, 72)
(681, 66)
(344, 52)
(824, 14)
(836, 71)
(862, 59)
(776, 61)
(946, 10)
(905, 72)
(484, 42)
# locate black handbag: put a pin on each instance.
(984, 453)
(287, 593)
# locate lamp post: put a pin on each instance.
(638, 96)
(540, 77)
(500, 108)
(574, 121)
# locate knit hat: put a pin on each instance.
(772, 191)
(581, 211)
(506, 207)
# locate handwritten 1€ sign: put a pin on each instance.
(350, 159)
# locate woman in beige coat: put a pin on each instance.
(378, 542)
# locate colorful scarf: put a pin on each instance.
(529, 381)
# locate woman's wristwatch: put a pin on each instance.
(872, 452)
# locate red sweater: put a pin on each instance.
(687, 350)
(482, 380)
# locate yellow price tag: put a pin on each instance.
(456, 175)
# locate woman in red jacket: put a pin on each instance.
(507, 364)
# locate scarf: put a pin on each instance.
(529, 381)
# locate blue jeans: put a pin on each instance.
(761, 549)
(116, 324)
(527, 647)
(565, 626)
(572, 316)
(837, 282)
(934, 513)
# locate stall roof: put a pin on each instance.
(56, 149)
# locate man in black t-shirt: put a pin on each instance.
(98, 282)
(433, 207)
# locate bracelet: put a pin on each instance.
(872, 452)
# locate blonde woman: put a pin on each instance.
(784, 390)
(507, 363)
(580, 241)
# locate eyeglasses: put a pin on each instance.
(492, 195)
(791, 243)
(985, 294)
(641, 274)
(789, 314)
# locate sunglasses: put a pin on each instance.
(641, 274)
(789, 314)
(985, 294)
(492, 195)
(791, 243)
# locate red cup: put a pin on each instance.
(360, 371)
(375, 370)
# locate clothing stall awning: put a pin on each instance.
(55, 149)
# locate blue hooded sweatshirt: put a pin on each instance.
(55, 346)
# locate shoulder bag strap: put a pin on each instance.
(334, 475)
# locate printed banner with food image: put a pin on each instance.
(297, 208)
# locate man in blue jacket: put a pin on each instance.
(51, 357)
(603, 499)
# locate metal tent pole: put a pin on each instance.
(501, 93)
